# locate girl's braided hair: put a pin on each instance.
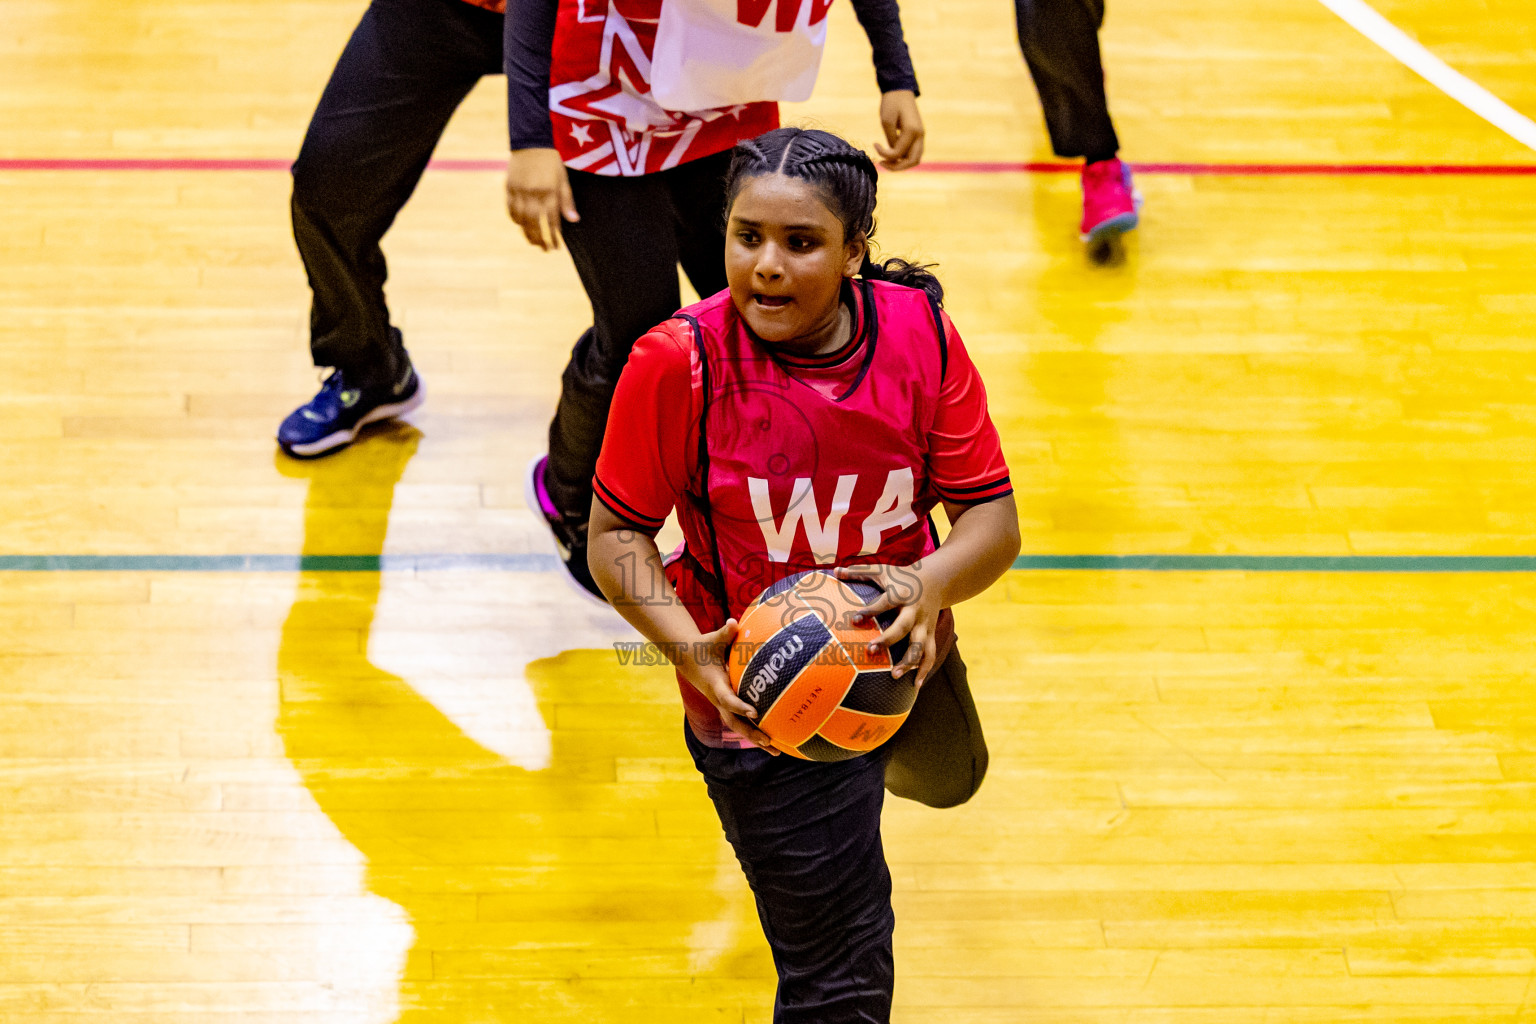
(845, 177)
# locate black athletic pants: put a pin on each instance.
(632, 235)
(807, 835)
(1060, 40)
(406, 69)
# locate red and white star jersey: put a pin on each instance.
(604, 117)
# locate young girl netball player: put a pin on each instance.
(809, 416)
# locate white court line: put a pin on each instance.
(1442, 76)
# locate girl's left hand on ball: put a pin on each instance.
(917, 619)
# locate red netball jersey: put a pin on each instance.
(777, 465)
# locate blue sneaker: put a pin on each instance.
(332, 419)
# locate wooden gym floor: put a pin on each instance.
(1231, 788)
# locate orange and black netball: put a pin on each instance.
(801, 662)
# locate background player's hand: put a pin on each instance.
(903, 130)
(917, 619)
(707, 673)
(539, 195)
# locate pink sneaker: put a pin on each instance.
(1110, 201)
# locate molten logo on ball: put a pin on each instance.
(805, 668)
(776, 662)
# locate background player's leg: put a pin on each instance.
(698, 200)
(1060, 40)
(807, 835)
(405, 70)
(939, 755)
(625, 251)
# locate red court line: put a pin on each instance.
(144, 164)
(935, 166)
(1000, 167)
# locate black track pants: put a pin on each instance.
(807, 835)
(632, 235)
(404, 72)
(1060, 40)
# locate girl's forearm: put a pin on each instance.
(627, 568)
(982, 544)
(626, 565)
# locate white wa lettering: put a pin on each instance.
(821, 533)
(892, 512)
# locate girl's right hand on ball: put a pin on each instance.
(706, 671)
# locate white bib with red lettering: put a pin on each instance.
(719, 53)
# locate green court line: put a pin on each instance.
(548, 563)
(1282, 563)
(276, 563)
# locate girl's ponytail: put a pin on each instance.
(899, 271)
(845, 177)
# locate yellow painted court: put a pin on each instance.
(1290, 780)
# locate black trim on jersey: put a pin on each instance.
(612, 502)
(826, 362)
(717, 583)
(964, 493)
(866, 335)
(979, 501)
(972, 490)
(842, 355)
(829, 362)
(938, 325)
(872, 335)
